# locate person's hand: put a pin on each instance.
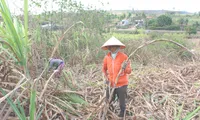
(124, 64)
(56, 71)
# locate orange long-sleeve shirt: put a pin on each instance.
(111, 68)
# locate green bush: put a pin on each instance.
(126, 36)
(170, 27)
(164, 20)
(191, 30)
(152, 22)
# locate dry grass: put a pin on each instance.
(153, 93)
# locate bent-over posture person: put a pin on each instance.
(112, 63)
(57, 65)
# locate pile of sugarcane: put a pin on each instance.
(154, 93)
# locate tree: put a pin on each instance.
(186, 21)
(129, 15)
(191, 30)
(152, 22)
(181, 21)
(123, 16)
(196, 24)
(144, 15)
(164, 20)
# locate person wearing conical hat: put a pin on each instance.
(113, 62)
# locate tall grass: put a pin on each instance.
(14, 35)
(14, 39)
(189, 116)
(17, 108)
(192, 114)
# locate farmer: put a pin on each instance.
(57, 65)
(112, 63)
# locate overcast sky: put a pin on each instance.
(183, 5)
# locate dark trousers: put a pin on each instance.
(121, 93)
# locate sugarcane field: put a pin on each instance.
(77, 60)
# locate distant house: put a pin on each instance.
(139, 23)
(124, 22)
(50, 26)
(149, 17)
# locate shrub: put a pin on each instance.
(191, 30)
(164, 20)
(170, 27)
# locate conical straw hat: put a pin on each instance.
(112, 42)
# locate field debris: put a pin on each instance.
(153, 93)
